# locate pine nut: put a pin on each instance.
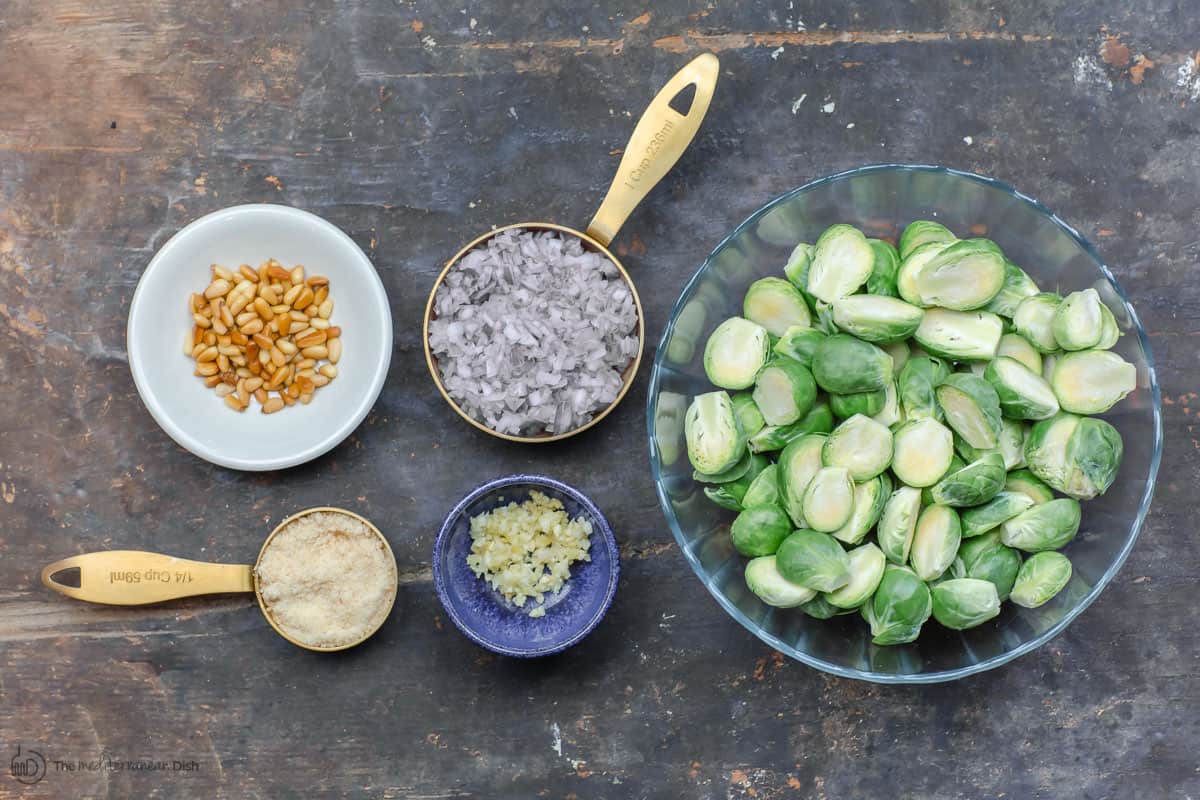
(220, 272)
(304, 299)
(248, 273)
(316, 351)
(319, 324)
(272, 405)
(320, 380)
(253, 326)
(207, 369)
(208, 354)
(305, 398)
(212, 380)
(268, 295)
(276, 271)
(233, 402)
(253, 384)
(223, 363)
(202, 321)
(263, 309)
(297, 274)
(238, 338)
(218, 288)
(326, 309)
(286, 347)
(289, 297)
(224, 390)
(277, 357)
(189, 342)
(335, 349)
(261, 396)
(329, 371)
(317, 280)
(210, 338)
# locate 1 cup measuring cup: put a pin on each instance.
(136, 577)
(661, 136)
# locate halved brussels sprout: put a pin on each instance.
(875, 318)
(1092, 381)
(796, 268)
(759, 530)
(669, 413)
(922, 450)
(869, 497)
(841, 263)
(963, 603)
(963, 277)
(714, 440)
(1022, 393)
(749, 417)
(892, 413)
(1048, 526)
(799, 463)
(829, 499)
(921, 232)
(1017, 286)
(911, 266)
(1023, 481)
(900, 354)
(986, 558)
(784, 391)
(1001, 508)
(763, 578)
(883, 272)
(972, 485)
(1049, 362)
(799, 343)
(724, 495)
(776, 305)
(866, 571)
(898, 523)
(1034, 319)
(1078, 321)
(843, 364)
(1012, 443)
(1078, 456)
(776, 437)
(845, 406)
(899, 607)
(960, 335)
(820, 608)
(935, 541)
(861, 445)
(815, 560)
(1041, 577)
(972, 408)
(740, 468)
(1017, 347)
(1110, 334)
(764, 489)
(735, 352)
(917, 382)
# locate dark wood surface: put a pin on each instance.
(414, 126)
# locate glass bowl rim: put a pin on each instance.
(994, 661)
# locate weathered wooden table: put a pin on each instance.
(414, 125)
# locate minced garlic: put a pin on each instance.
(526, 551)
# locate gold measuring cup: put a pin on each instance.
(661, 136)
(136, 578)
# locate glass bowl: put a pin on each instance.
(881, 200)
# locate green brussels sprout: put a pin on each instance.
(1034, 319)
(1092, 381)
(1049, 362)
(1047, 526)
(963, 603)
(861, 445)
(819, 419)
(1017, 347)
(1023, 394)
(845, 406)
(784, 391)
(1078, 321)
(815, 560)
(898, 522)
(1017, 286)
(960, 335)
(1078, 456)
(911, 267)
(749, 417)
(986, 558)
(875, 318)
(669, 412)
(841, 263)
(714, 440)
(900, 353)
(1110, 333)
(763, 578)
(776, 305)
(798, 464)
(799, 343)
(1012, 443)
(963, 277)
(820, 608)
(1023, 481)
(764, 489)
(725, 496)
(921, 232)
(917, 382)
(829, 499)
(1041, 577)
(740, 468)
(866, 571)
(843, 364)
(935, 541)
(1001, 508)
(735, 352)
(796, 270)
(869, 497)
(899, 607)
(922, 450)
(972, 408)
(882, 280)
(972, 485)
(892, 413)
(759, 530)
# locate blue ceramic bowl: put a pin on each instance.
(484, 615)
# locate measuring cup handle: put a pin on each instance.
(135, 577)
(661, 136)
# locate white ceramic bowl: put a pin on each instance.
(192, 414)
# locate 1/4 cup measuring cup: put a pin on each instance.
(136, 577)
(661, 136)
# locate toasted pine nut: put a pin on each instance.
(243, 394)
(306, 363)
(252, 327)
(207, 368)
(276, 272)
(326, 310)
(224, 390)
(218, 288)
(310, 337)
(220, 272)
(272, 405)
(277, 357)
(305, 398)
(189, 342)
(264, 309)
(208, 354)
(223, 363)
(248, 272)
(297, 274)
(253, 384)
(233, 402)
(202, 321)
(244, 372)
(320, 380)
(286, 347)
(255, 367)
(212, 380)
(196, 302)
(261, 396)
(210, 338)
(226, 315)
(304, 299)
(239, 302)
(319, 324)
(287, 400)
(317, 280)
(293, 391)
(329, 371)
(277, 377)
(334, 346)
(291, 294)
(284, 324)
(238, 338)
(316, 351)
